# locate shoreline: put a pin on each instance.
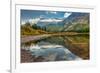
(28, 38)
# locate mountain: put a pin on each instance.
(77, 22)
(51, 25)
(55, 27)
(76, 17)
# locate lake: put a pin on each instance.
(58, 48)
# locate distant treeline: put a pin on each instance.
(28, 29)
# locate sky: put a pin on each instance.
(36, 15)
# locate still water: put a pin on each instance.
(57, 48)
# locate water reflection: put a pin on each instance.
(59, 48)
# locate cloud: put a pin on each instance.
(42, 16)
(67, 14)
(34, 20)
(51, 20)
(23, 22)
(51, 12)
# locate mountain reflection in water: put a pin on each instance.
(55, 48)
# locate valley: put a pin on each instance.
(54, 36)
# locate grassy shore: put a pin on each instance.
(27, 38)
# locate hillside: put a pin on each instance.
(78, 22)
(27, 29)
